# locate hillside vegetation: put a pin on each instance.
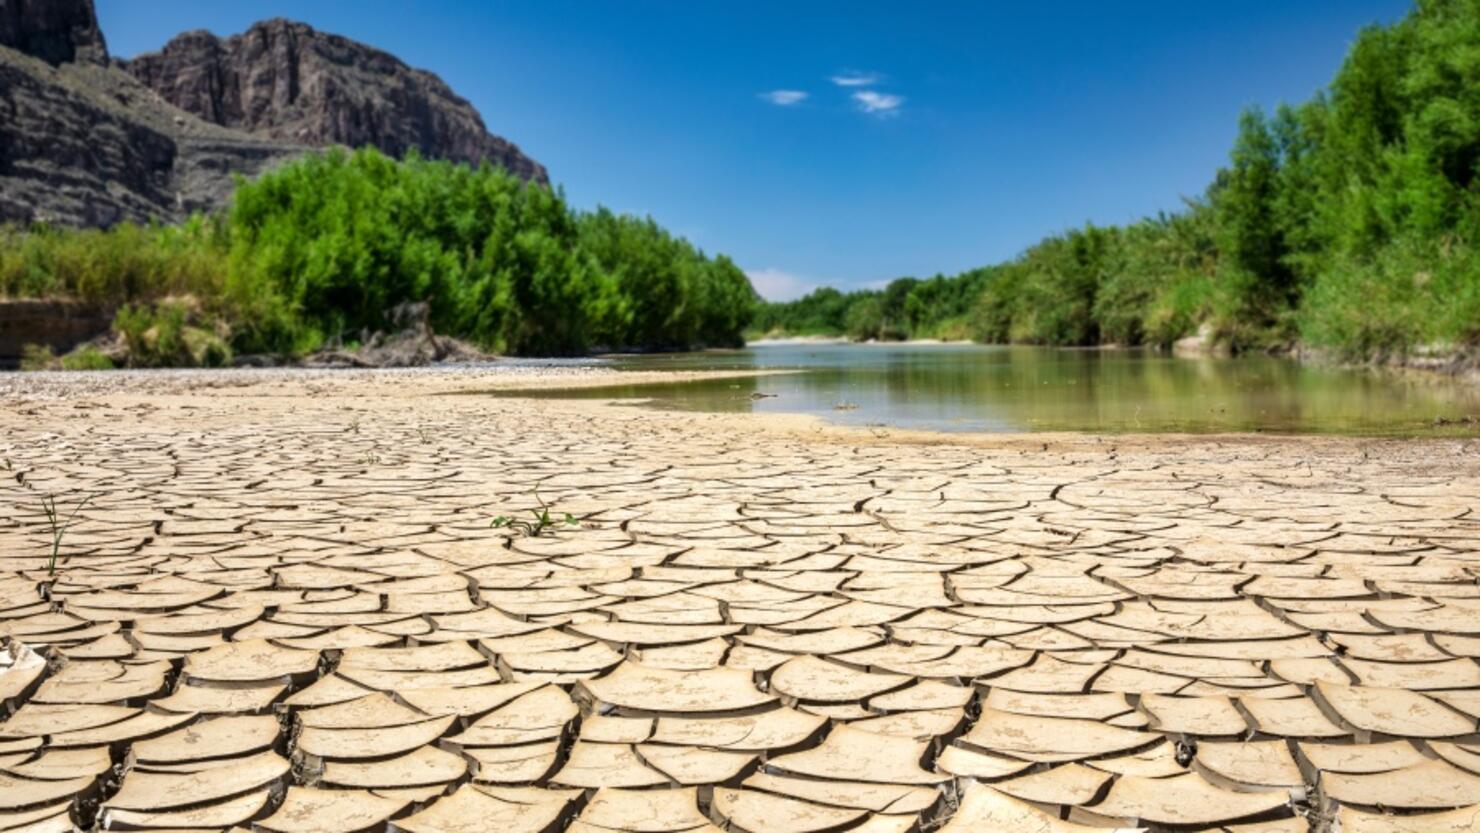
(322, 249)
(1348, 223)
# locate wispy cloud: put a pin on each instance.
(776, 285)
(852, 78)
(878, 104)
(784, 98)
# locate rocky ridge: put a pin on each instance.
(56, 31)
(86, 140)
(286, 81)
(85, 145)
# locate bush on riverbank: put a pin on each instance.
(114, 266)
(1349, 223)
(322, 249)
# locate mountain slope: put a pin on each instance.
(56, 31)
(285, 80)
(83, 144)
(86, 140)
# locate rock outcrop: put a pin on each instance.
(285, 80)
(85, 145)
(89, 141)
(56, 31)
(55, 324)
(409, 343)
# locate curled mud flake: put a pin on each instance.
(310, 810)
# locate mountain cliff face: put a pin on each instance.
(84, 144)
(56, 31)
(287, 81)
(85, 140)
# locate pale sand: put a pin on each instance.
(766, 623)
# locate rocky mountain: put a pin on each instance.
(287, 81)
(56, 31)
(84, 144)
(89, 140)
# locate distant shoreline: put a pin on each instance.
(785, 340)
(1458, 365)
(771, 342)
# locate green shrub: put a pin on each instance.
(1178, 308)
(170, 334)
(38, 357)
(326, 246)
(87, 357)
(1407, 295)
(126, 263)
(821, 312)
(657, 290)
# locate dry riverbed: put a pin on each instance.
(284, 606)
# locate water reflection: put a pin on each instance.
(976, 388)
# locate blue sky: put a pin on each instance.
(846, 143)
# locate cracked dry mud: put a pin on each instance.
(284, 609)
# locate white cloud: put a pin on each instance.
(849, 78)
(776, 285)
(876, 103)
(784, 98)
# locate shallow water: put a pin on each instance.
(954, 387)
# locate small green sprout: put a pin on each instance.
(541, 522)
(58, 526)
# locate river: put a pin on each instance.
(964, 387)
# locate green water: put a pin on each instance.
(978, 388)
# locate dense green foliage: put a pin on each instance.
(1350, 222)
(114, 266)
(667, 292)
(939, 307)
(323, 249)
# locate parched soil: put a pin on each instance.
(284, 606)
